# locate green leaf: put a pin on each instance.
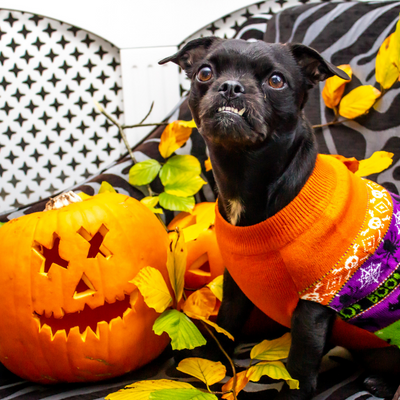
(176, 203)
(182, 331)
(185, 186)
(1, 224)
(106, 187)
(141, 390)
(181, 394)
(271, 350)
(178, 166)
(144, 172)
(273, 369)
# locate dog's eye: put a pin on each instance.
(276, 81)
(205, 74)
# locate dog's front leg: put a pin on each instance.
(234, 312)
(311, 327)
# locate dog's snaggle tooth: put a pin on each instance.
(220, 109)
(241, 112)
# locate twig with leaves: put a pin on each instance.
(266, 357)
(180, 174)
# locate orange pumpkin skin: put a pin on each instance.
(204, 260)
(94, 249)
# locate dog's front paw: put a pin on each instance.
(381, 387)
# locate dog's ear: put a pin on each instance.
(314, 66)
(190, 53)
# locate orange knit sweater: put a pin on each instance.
(304, 250)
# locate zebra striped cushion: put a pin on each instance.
(348, 33)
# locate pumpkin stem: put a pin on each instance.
(62, 200)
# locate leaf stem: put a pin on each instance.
(150, 124)
(227, 356)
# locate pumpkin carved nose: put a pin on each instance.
(84, 288)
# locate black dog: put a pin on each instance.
(247, 100)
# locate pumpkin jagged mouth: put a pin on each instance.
(88, 318)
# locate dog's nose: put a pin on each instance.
(231, 89)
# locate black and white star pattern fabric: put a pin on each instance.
(51, 134)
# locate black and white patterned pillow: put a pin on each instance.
(51, 137)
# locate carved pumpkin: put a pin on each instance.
(69, 311)
(204, 261)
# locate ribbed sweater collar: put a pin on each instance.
(278, 230)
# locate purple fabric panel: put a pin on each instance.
(376, 269)
(380, 315)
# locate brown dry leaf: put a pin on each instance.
(242, 381)
(174, 136)
(334, 87)
(386, 72)
(358, 101)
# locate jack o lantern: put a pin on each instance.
(69, 310)
(204, 260)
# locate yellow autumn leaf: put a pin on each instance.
(150, 202)
(271, 350)
(208, 164)
(386, 72)
(141, 390)
(378, 162)
(358, 101)
(207, 371)
(216, 286)
(201, 303)
(395, 48)
(334, 87)
(241, 382)
(176, 262)
(188, 124)
(273, 369)
(208, 322)
(106, 187)
(153, 288)
(204, 219)
(174, 136)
